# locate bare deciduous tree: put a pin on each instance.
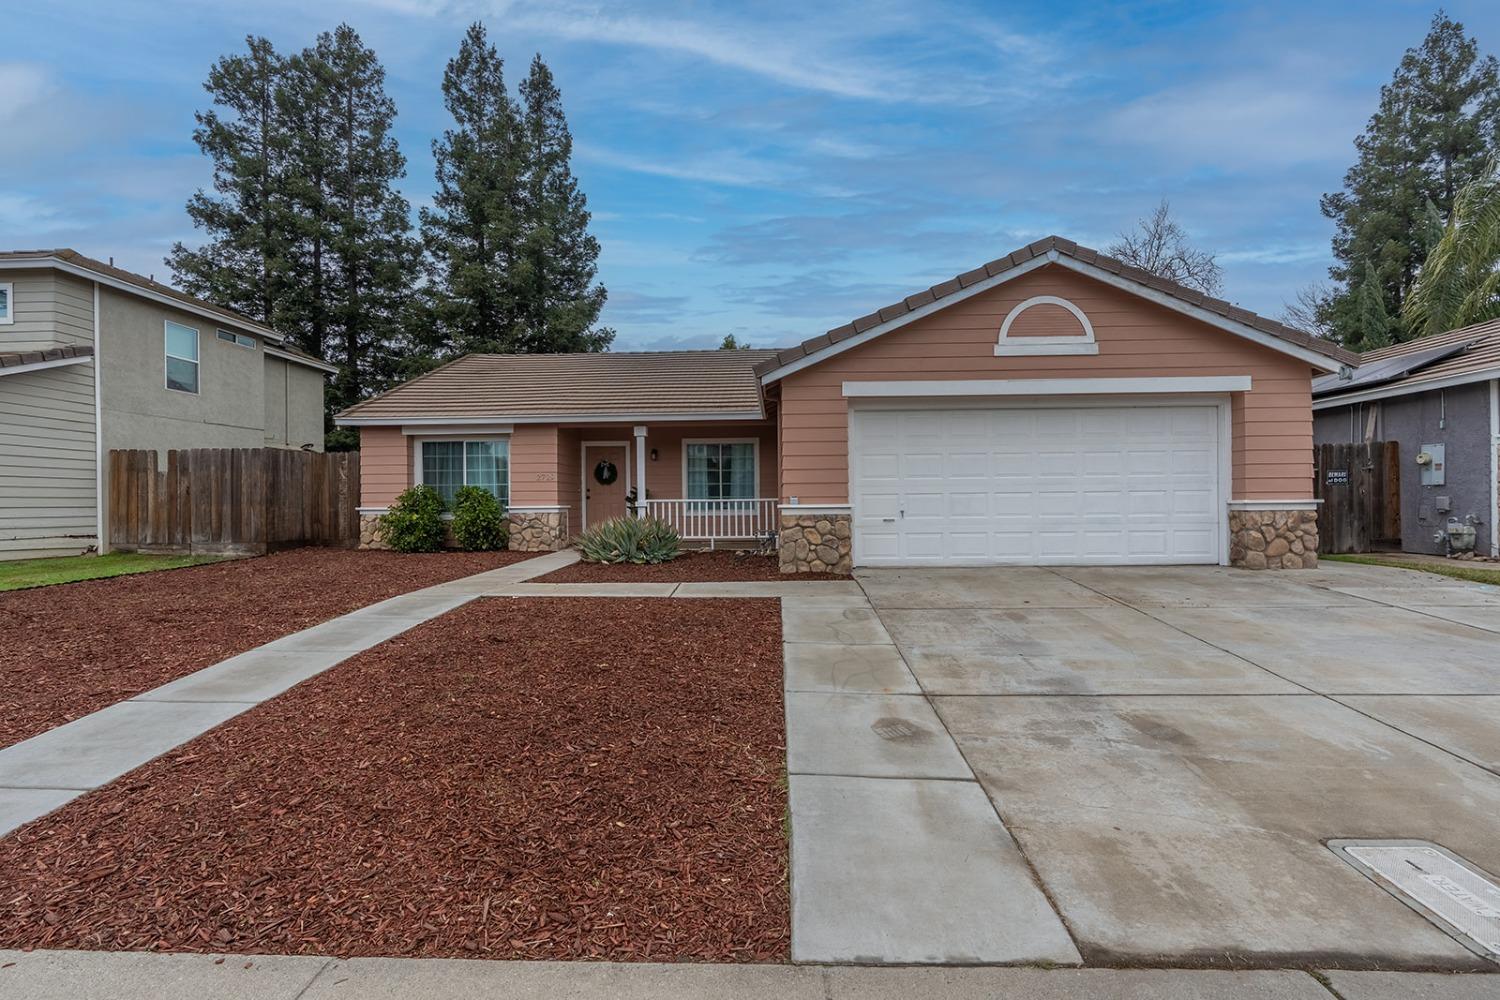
(1308, 311)
(1160, 245)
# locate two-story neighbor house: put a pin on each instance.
(94, 358)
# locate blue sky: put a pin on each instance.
(771, 170)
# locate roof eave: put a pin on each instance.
(89, 274)
(350, 419)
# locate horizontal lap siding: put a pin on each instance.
(48, 500)
(384, 465)
(534, 465)
(1272, 424)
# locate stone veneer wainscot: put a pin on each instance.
(538, 530)
(1273, 539)
(816, 542)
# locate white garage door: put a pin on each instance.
(1082, 485)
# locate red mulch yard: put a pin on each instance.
(544, 778)
(71, 649)
(690, 567)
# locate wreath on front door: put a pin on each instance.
(605, 472)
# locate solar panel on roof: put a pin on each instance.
(1386, 369)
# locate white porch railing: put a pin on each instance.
(713, 520)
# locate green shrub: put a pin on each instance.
(630, 540)
(415, 521)
(478, 520)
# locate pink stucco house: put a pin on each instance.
(1051, 407)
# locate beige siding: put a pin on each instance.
(294, 405)
(1272, 433)
(47, 462)
(51, 310)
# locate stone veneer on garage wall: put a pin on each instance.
(1273, 539)
(816, 543)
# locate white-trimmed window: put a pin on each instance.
(238, 339)
(720, 470)
(182, 357)
(447, 465)
(7, 303)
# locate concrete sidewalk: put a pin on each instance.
(58, 975)
(53, 768)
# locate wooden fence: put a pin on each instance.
(1360, 486)
(232, 500)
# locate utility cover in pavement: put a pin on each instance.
(1455, 895)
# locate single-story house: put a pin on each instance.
(1438, 397)
(94, 358)
(1054, 406)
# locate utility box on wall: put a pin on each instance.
(1430, 458)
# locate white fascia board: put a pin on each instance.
(540, 509)
(1274, 504)
(1048, 387)
(40, 365)
(298, 359)
(1312, 357)
(1404, 389)
(879, 329)
(1317, 360)
(145, 293)
(570, 418)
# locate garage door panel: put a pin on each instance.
(1114, 484)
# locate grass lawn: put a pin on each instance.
(23, 573)
(1458, 570)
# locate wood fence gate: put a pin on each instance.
(232, 500)
(1360, 486)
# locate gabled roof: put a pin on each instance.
(1055, 249)
(1455, 357)
(574, 388)
(117, 277)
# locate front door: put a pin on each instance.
(604, 468)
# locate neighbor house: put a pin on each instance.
(94, 358)
(1052, 406)
(1438, 398)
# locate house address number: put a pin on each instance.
(546, 477)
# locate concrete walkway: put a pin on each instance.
(45, 772)
(897, 855)
(58, 975)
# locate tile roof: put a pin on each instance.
(1479, 360)
(576, 386)
(15, 359)
(140, 281)
(1082, 254)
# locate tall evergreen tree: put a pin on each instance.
(1438, 119)
(243, 263)
(472, 231)
(553, 276)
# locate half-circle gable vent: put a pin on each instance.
(1046, 324)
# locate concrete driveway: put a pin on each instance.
(1170, 748)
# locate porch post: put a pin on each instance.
(640, 470)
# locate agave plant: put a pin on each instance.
(629, 540)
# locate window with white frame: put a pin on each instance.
(447, 465)
(238, 339)
(182, 357)
(7, 306)
(720, 470)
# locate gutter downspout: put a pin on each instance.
(99, 451)
(1495, 468)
